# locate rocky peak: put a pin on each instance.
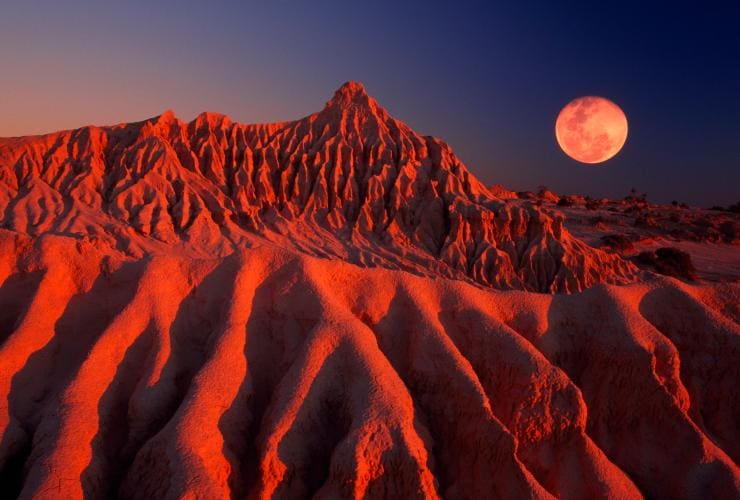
(352, 96)
(350, 181)
(350, 92)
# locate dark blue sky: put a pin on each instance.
(488, 77)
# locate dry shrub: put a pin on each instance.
(668, 261)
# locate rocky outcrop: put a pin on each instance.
(269, 373)
(217, 310)
(349, 182)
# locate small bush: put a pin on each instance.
(668, 261)
(565, 201)
(595, 221)
(526, 195)
(592, 204)
(730, 231)
(645, 221)
(617, 242)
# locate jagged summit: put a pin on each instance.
(351, 90)
(352, 111)
(167, 116)
(349, 182)
(350, 93)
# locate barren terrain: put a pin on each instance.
(336, 306)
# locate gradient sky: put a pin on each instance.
(487, 77)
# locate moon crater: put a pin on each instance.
(591, 129)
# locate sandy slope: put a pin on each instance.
(272, 373)
(710, 237)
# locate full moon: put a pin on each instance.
(591, 129)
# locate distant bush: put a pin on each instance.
(565, 201)
(645, 221)
(592, 204)
(547, 195)
(730, 231)
(597, 220)
(668, 261)
(632, 197)
(702, 222)
(526, 195)
(618, 242)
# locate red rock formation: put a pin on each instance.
(213, 310)
(271, 373)
(349, 182)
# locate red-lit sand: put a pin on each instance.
(213, 310)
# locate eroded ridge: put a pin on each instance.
(271, 373)
(349, 182)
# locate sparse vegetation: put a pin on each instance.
(566, 201)
(617, 242)
(635, 203)
(593, 204)
(730, 231)
(668, 261)
(645, 221)
(526, 195)
(544, 194)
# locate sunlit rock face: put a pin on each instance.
(350, 182)
(274, 374)
(216, 310)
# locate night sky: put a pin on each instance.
(489, 77)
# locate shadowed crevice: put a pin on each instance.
(52, 368)
(273, 342)
(319, 436)
(16, 294)
(197, 319)
(699, 336)
(103, 475)
(12, 475)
